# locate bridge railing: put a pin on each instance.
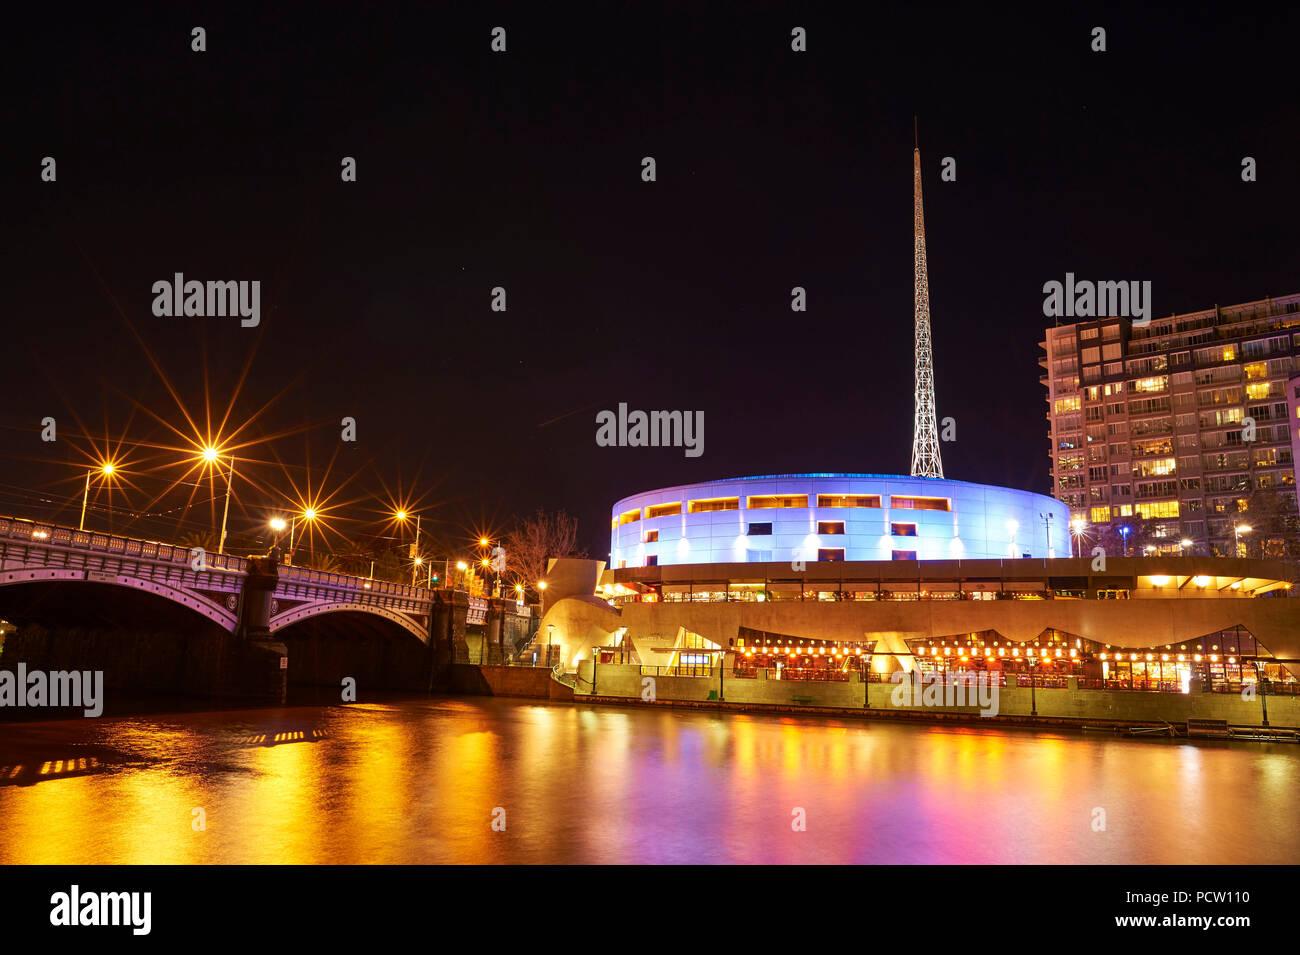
(57, 535)
(365, 585)
(95, 541)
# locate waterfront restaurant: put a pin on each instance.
(1176, 624)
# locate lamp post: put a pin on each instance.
(1123, 532)
(550, 636)
(1237, 531)
(278, 525)
(1077, 527)
(307, 516)
(225, 511)
(106, 469)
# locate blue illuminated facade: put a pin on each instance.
(790, 517)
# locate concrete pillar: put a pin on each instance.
(256, 663)
(493, 632)
(446, 634)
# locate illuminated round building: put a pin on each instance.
(835, 517)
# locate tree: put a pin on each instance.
(535, 540)
(1274, 524)
(205, 539)
(1141, 532)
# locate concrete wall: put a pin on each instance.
(532, 682)
(626, 681)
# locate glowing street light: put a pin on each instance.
(1237, 531)
(106, 470)
(278, 524)
(211, 456)
(1124, 532)
(1077, 527)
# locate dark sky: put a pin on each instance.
(522, 170)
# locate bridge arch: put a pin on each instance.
(224, 617)
(288, 618)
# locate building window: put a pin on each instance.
(778, 500)
(760, 530)
(848, 500)
(628, 517)
(921, 503)
(651, 536)
(713, 504)
(652, 560)
(663, 510)
(902, 555)
(831, 553)
(902, 530)
(830, 527)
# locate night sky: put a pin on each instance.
(523, 170)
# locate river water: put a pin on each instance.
(422, 780)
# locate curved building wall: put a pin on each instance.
(883, 517)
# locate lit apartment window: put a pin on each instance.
(1257, 390)
(760, 530)
(778, 500)
(902, 555)
(830, 527)
(1067, 404)
(1157, 509)
(663, 510)
(1158, 383)
(651, 537)
(921, 503)
(1100, 515)
(831, 553)
(713, 504)
(902, 530)
(853, 500)
(627, 517)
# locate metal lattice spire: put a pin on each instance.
(925, 433)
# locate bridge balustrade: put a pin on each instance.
(393, 594)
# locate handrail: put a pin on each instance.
(76, 539)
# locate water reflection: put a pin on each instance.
(420, 781)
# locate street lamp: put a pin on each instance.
(308, 515)
(106, 470)
(1184, 543)
(211, 456)
(1237, 531)
(1123, 532)
(1077, 527)
(415, 568)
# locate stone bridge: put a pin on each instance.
(260, 612)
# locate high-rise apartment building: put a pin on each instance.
(1180, 436)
